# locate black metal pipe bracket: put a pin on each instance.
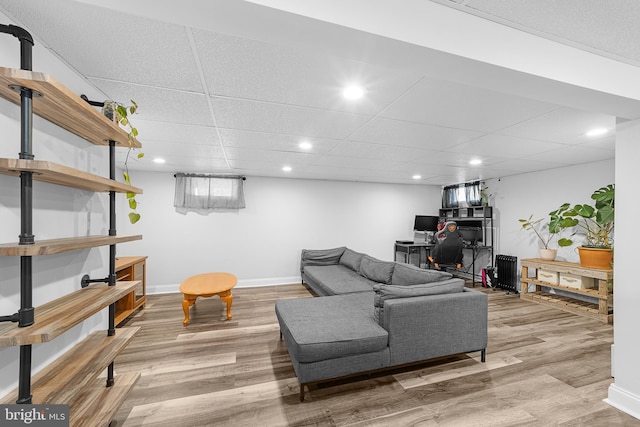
(93, 103)
(12, 318)
(87, 280)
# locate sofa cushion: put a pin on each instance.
(376, 270)
(386, 292)
(330, 327)
(351, 259)
(407, 274)
(321, 256)
(337, 279)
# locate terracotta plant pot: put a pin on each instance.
(595, 257)
(548, 254)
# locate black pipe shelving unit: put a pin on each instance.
(27, 327)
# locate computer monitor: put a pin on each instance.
(426, 223)
(471, 235)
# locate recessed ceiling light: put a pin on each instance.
(417, 176)
(475, 162)
(159, 160)
(597, 132)
(286, 168)
(305, 145)
(353, 92)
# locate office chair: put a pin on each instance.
(448, 249)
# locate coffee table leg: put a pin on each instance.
(228, 299)
(186, 303)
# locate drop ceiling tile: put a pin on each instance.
(576, 154)
(564, 125)
(504, 146)
(410, 134)
(270, 156)
(157, 104)
(454, 105)
(526, 165)
(176, 132)
(255, 70)
(285, 119)
(606, 143)
(169, 149)
(609, 28)
(112, 45)
(378, 151)
(272, 141)
(360, 163)
(176, 162)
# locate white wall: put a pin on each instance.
(261, 244)
(624, 393)
(539, 193)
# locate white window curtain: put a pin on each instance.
(462, 195)
(207, 193)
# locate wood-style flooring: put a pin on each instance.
(544, 367)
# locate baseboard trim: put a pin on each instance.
(623, 400)
(249, 283)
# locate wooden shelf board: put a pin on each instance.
(100, 404)
(63, 175)
(60, 315)
(61, 106)
(54, 246)
(65, 378)
(588, 292)
(567, 304)
(568, 267)
(127, 261)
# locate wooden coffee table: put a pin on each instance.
(207, 285)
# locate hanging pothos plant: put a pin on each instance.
(120, 113)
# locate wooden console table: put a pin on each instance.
(602, 292)
(131, 268)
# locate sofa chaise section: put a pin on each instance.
(402, 315)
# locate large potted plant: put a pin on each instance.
(546, 232)
(596, 223)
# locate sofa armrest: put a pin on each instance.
(321, 256)
(431, 326)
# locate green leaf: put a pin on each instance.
(134, 131)
(134, 217)
(584, 211)
(126, 178)
(130, 195)
(140, 155)
(133, 204)
(565, 242)
(605, 215)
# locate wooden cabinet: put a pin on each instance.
(571, 279)
(73, 378)
(131, 268)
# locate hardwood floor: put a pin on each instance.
(544, 367)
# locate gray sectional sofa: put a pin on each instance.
(373, 314)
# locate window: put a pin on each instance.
(461, 195)
(208, 192)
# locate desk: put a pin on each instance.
(414, 248)
(475, 251)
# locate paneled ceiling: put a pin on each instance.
(212, 101)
